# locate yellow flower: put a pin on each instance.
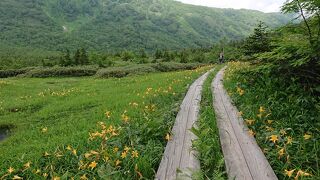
(269, 128)
(249, 121)
(261, 109)
(168, 137)
(45, 175)
(44, 130)
(259, 115)
(289, 173)
(94, 152)
(107, 114)
(301, 173)
(269, 121)
(135, 154)
(126, 148)
(307, 136)
(283, 132)
(74, 152)
(125, 118)
(58, 155)
(281, 152)
(251, 132)
(117, 162)
(241, 92)
(116, 149)
(106, 158)
(289, 140)
(83, 177)
(124, 154)
(274, 138)
(93, 165)
(56, 178)
(87, 155)
(37, 171)
(10, 170)
(69, 148)
(27, 165)
(16, 177)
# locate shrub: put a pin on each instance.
(171, 66)
(61, 72)
(119, 72)
(13, 72)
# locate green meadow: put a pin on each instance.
(69, 127)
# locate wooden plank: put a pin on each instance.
(179, 160)
(243, 157)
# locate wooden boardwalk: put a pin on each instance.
(243, 157)
(179, 160)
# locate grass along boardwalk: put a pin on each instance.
(243, 157)
(179, 159)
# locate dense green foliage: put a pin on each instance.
(273, 105)
(258, 42)
(292, 51)
(278, 91)
(47, 115)
(108, 25)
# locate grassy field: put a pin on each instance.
(89, 127)
(282, 116)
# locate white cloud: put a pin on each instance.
(261, 5)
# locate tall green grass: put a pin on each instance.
(283, 116)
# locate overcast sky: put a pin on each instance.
(261, 5)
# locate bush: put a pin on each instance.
(171, 66)
(61, 72)
(13, 72)
(119, 72)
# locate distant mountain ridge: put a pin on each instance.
(110, 25)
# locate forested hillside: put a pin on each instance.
(109, 25)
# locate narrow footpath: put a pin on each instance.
(179, 160)
(243, 157)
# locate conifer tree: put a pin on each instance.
(84, 59)
(77, 57)
(259, 41)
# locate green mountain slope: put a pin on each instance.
(110, 25)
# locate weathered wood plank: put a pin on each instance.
(243, 157)
(179, 160)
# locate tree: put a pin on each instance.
(66, 59)
(77, 57)
(309, 11)
(184, 57)
(259, 41)
(84, 59)
(158, 54)
(143, 54)
(127, 55)
(166, 56)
